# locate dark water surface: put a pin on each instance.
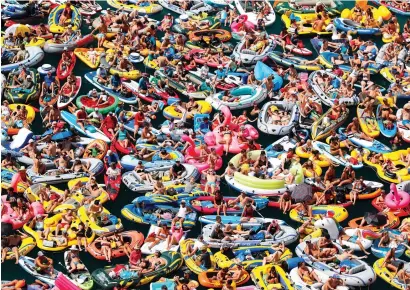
(10, 271)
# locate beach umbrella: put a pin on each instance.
(17, 28)
(377, 219)
(302, 192)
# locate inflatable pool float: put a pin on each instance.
(205, 35)
(374, 145)
(240, 98)
(404, 130)
(205, 205)
(332, 7)
(172, 261)
(90, 104)
(240, 26)
(67, 95)
(285, 143)
(198, 7)
(384, 174)
(115, 225)
(133, 181)
(33, 56)
(393, 222)
(265, 187)
(185, 88)
(54, 175)
(28, 264)
(249, 257)
(268, 126)
(389, 276)
(47, 243)
(54, 18)
(339, 213)
(304, 22)
(90, 130)
(347, 159)
(286, 234)
(297, 61)
(205, 279)
(325, 125)
(133, 238)
(294, 48)
(162, 245)
(57, 46)
(171, 112)
(328, 97)
(357, 271)
(382, 251)
(252, 16)
(260, 273)
(190, 261)
(326, 57)
(346, 25)
(143, 213)
(249, 57)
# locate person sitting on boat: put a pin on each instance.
(122, 136)
(332, 283)
(159, 187)
(181, 214)
(102, 75)
(276, 256)
(272, 277)
(44, 264)
(174, 238)
(141, 172)
(358, 187)
(21, 54)
(335, 149)
(74, 260)
(50, 84)
(307, 276)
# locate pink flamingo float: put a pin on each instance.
(193, 154)
(396, 199)
(232, 136)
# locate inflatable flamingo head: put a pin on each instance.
(393, 189)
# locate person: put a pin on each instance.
(332, 283)
(177, 170)
(247, 213)
(276, 256)
(44, 264)
(73, 258)
(211, 179)
(181, 214)
(272, 277)
(197, 246)
(175, 237)
(307, 276)
(135, 255)
(219, 202)
(285, 201)
(21, 284)
(11, 243)
(358, 187)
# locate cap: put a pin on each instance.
(219, 66)
(73, 248)
(30, 141)
(22, 168)
(40, 253)
(65, 48)
(183, 201)
(70, 26)
(77, 159)
(204, 247)
(109, 152)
